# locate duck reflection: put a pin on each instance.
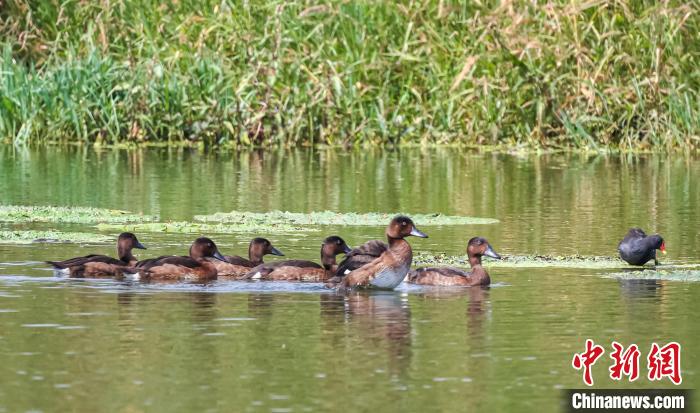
(261, 305)
(477, 308)
(203, 306)
(380, 319)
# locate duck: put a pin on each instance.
(302, 270)
(478, 276)
(636, 248)
(95, 265)
(195, 267)
(235, 267)
(386, 270)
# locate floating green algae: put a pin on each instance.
(29, 237)
(200, 228)
(524, 261)
(335, 218)
(78, 215)
(670, 274)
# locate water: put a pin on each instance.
(90, 345)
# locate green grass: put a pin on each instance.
(582, 74)
(79, 215)
(335, 218)
(29, 237)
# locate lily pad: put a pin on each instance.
(524, 261)
(78, 215)
(335, 218)
(29, 237)
(183, 227)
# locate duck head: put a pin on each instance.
(401, 227)
(125, 243)
(478, 247)
(331, 247)
(259, 247)
(205, 248)
(334, 245)
(128, 240)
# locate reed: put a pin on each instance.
(519, 73)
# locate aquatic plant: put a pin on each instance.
(335, 218)
(671, 274)
(29, 237)
(221, 72)
(79, 215)
(199, 228)
(524, 261)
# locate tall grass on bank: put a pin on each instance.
(520, 72)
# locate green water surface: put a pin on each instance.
(100, 345)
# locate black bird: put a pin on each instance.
(637, 248)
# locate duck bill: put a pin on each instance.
(275, 251)
(418, 233)
(491, 253)
(140, 246)
(218, 256)
(346, 249)
(663, 248)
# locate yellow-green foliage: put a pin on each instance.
(556, 73)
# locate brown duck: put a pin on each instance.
(476, 248)
(195, 267)
(387, 270)
(235, 267)
(301, 270)
(95, 265)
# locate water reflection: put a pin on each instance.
(639, 288)
(261, 305)
(380, 320)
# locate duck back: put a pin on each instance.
(362, 255)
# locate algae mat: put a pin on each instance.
(30, 237)
(335, 218)
(77, 215)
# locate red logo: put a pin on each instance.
(662, 362)
(625, 362)
(587, 359)
(665, 362)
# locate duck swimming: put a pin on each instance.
(636, 248)
(95, 265)
(389, 268)
(301, 270)
(195, 267)
(235, 267)
(476, 248)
